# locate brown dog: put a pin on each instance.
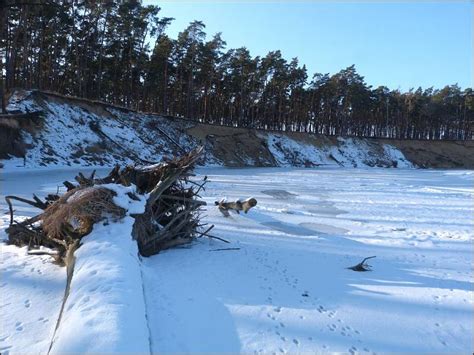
(236, 206)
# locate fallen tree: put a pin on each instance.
(171, 214)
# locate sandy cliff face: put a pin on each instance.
(83, 133)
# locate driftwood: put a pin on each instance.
(362, 266)
(171, 218)
(236, 206)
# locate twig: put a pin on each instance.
(362, 266)
(184, 199)
(206, 231)
(214, 237)
(69, 185)
(37, 203)
(52, 253)
(222, 249)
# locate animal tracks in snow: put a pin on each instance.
(290, 306)
(26, 310)
(19, 326)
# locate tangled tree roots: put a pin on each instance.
(171, 217)
(74, 213)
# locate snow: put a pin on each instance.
(285, 289)
(395, 155)
(105, 310)
(136, 206)
(73, 135)
(31, 290)
(348, 152)
(288, 152)
(105, 304)
(288, 290)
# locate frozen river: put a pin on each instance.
(284, 286)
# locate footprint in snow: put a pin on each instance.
(272, 317)
(27, 303)
(19, 326)
(352, 350)
(106, 289)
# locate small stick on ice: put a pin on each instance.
(362, 266)
(223, 249)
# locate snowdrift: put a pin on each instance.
(105, 310)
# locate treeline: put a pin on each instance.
(119, 52)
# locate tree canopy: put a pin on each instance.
(119, 52)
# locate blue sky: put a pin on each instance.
(399, 44)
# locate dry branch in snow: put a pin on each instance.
(362, 266)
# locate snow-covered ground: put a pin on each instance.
(287, 287)
(73, 135)
(348, 152)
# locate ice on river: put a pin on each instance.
(287, 288)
